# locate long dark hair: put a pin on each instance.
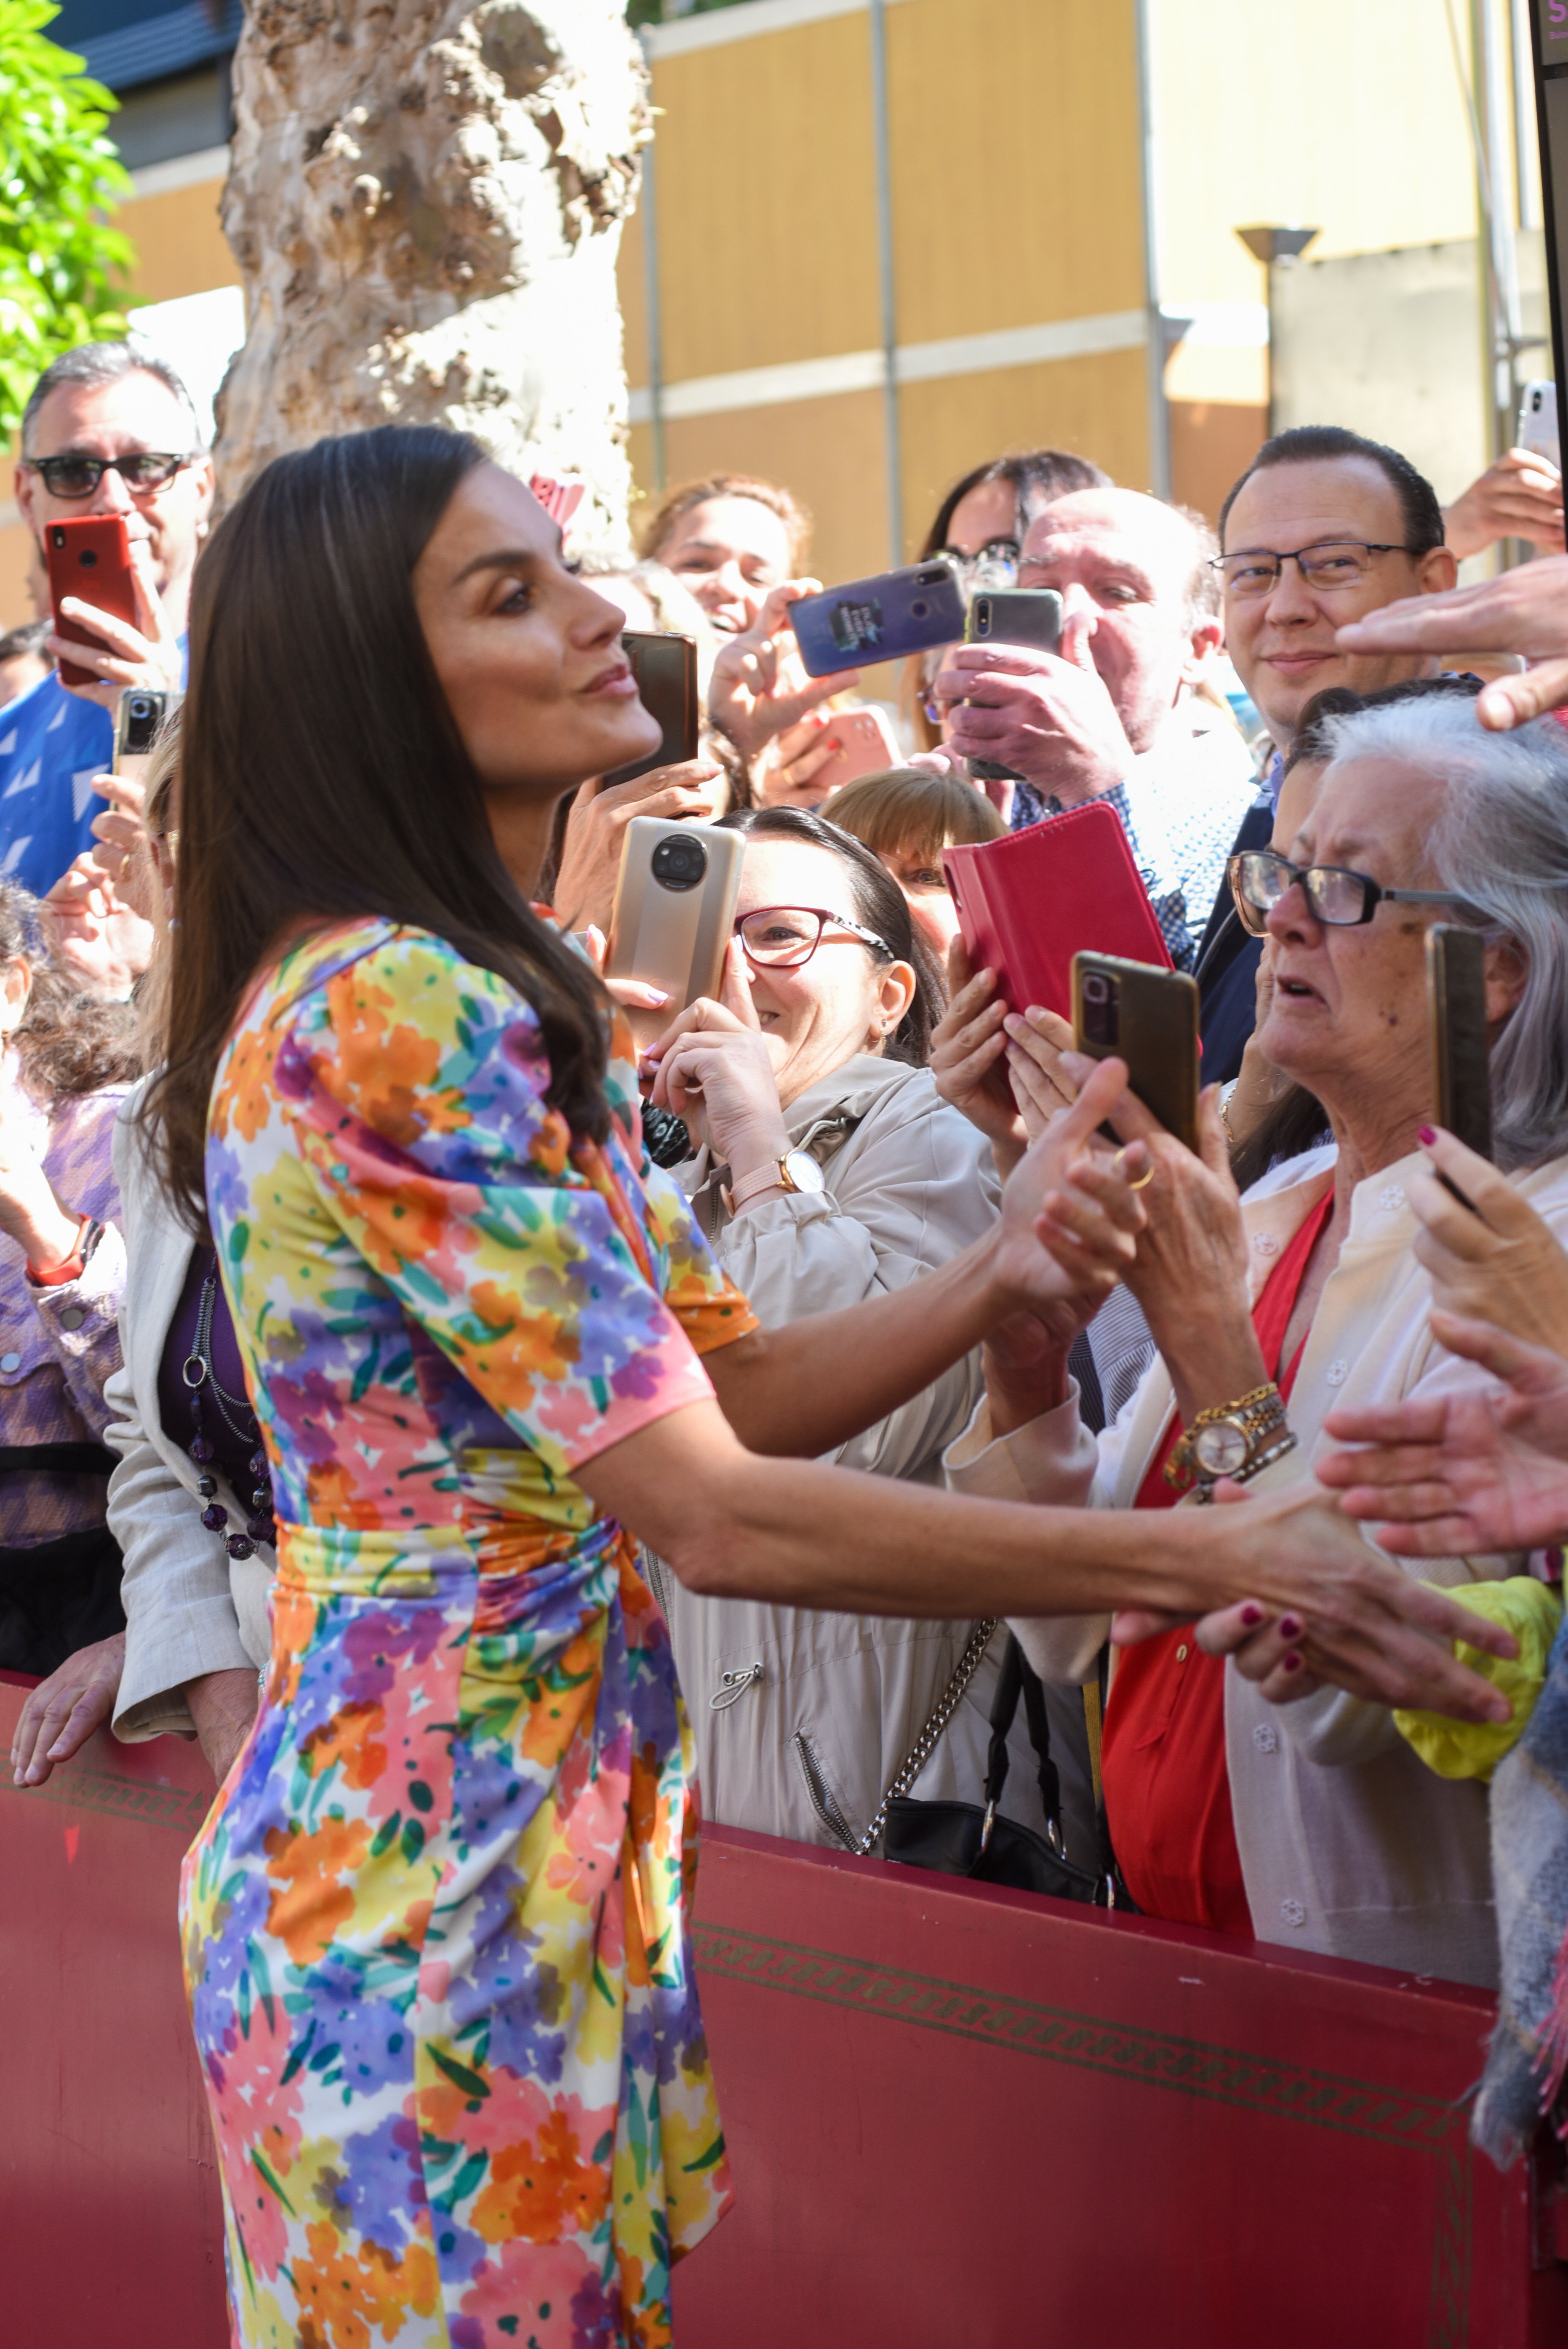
(1035, 476)
(67, 1042)
(878, 904)
(323, 776)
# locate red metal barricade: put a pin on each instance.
(959, 2117)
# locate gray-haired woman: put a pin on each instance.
(1313, 1824)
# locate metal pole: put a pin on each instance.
(891, 432)
(1508, 318)
(1527, 179)
(650, 291)
(1154, 351)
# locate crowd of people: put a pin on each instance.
(481, 1435)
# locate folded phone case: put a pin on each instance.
(1028, 904)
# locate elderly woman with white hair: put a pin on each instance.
(1313, 1823)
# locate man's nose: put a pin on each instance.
(1290, 597)
(111, 496)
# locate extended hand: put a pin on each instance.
(596, 834)
(1523, 611)
(1070, 1218)
(715, 1072)
(61, 1713)
(785, 770)
(759, 685)
(96, 936)
(1048, 716)
(148, 655)
(1519, 496)
(968, 1064)
(124, 853)
(1501, 1263)
(1449, 1475)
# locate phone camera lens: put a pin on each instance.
(89, 557)
(1100, 1025)
(678, 862)
(920, 608)
(1097, 990)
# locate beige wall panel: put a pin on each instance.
(180, 245)
(632, 286)
(1015, 162)
(828, 451)
(1211, 443)
(1096, 406)
(767, 200)
(16, 606)
(1342, 115)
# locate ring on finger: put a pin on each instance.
(1144, 1180)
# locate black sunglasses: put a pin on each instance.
(78, 477)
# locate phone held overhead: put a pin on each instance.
(880, 619)
(88, 556)
(1148, 1018)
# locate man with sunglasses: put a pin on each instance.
(107, 429)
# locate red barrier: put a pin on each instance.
(959, 2117)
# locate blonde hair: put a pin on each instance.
(656, 529)
(914, 810)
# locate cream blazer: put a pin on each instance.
(190, 1609)
(1349, 1845)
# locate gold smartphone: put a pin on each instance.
(1456, 1007)
(674, 912)
(1148, 1017)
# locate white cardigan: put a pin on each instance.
(190, 1609)
(1349, 1845)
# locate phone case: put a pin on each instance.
(89, 556)
(1538, 420)
(673, 935)
(143, 712)
(1016, 616)
(665, 667)
(880, 619)
(1461, 1063)
(1028, 903)
(1156, 1036)
(867, 748)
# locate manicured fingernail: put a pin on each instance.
(1292, 1663)
(1428, 1133)
(1289, 1627)
(1250, 1615)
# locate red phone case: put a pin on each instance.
(1028, 904)
(89, 556)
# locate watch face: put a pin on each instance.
(1221, 1447)
(804, 1171)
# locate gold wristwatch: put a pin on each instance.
(796, 1170)
(1232, 1439)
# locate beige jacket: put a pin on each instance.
(1349, 1845)
(841, 1699)
(190, 1609)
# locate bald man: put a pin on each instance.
(1112, 714)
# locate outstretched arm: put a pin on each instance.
(1525, 611)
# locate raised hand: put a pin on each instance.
(715, 1072)
(1522, 611)
(103, 942)
(1049, 716)
(1070, 1216)
(1520, 495)
(595, 833)
(1494, 1259)
(968, 1058)
(759, 686)
(1449, 1475)
(148, 655)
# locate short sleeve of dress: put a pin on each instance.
(415, 1082)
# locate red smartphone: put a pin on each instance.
(90, 556)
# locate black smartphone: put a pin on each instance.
(1456, 1007)
(143, 712)
(1012, 615)
(1149, 1018)
(665, 669)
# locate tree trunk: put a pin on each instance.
(425, 201)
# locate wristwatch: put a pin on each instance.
(1232, 1439)
(797, 1170)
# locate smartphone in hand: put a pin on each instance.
(144, 711)
(1150, 1019)
(665, 669)
(880, 619)
(89, 556)
(1031, 616)
(1456, 1007)
(674, 912)
(865, 746)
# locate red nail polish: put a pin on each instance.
(1289, 1627)
(1428, 1133)
(1250, 1615)
(1292, 1663)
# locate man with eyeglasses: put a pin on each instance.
(107, 429)
(1112, 714)
(1323, 527)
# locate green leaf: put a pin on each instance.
(458, 2074)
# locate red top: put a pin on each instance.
(1167, 1792)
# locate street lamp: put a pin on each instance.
(1277, 247)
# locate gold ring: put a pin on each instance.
(1144, 1180)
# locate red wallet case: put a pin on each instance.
(1028, 904)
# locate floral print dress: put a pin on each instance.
(436, 1923)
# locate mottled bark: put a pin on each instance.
(425, 203)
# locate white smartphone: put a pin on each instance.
(1538, 421)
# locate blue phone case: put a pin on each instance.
(880, 619)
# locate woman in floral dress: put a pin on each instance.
(437, 1922)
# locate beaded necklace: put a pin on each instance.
(201, 1378)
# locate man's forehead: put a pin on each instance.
(1111, 525)
(1325, 497)
(132, 411)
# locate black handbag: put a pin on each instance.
(61, 1595)
(973, 1839)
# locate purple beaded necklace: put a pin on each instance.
(201, 1378)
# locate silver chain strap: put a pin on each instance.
(925, 1744)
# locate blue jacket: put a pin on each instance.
(52, 744)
